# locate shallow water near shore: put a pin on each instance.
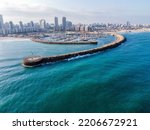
(116, 80)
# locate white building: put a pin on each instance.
(42, 24)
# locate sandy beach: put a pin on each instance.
(135, 31)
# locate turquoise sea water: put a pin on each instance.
(117, 80)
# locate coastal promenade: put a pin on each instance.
(38, 60)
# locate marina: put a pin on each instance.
(70, 38)
(37, 61)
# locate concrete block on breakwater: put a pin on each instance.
(37, 61)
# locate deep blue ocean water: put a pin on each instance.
(116, 80)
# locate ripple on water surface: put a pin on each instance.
(116, 80)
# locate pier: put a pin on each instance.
(37, 61)
(65, 42)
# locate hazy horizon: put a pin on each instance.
(78, 11)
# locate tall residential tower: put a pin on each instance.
(42, 23)
(1, 24)
(56, 24)
(64, 24)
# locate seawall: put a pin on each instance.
(36, 61)
(63, 42)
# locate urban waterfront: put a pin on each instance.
(43, 27)
(115, 80)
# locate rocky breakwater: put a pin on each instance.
(37, 61)
(64, 42)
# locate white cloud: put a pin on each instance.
(22, 10)
(26, 12)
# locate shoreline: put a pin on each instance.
(105, 32)
(14, 38)
(134, 31)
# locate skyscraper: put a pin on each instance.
(21, 26)
(42, 23)
(64, 24)
(32, 24)
(56, 24)
(128, 24)
(1, 24)
(68, 25)
(11, 27)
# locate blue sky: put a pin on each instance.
(78, 11)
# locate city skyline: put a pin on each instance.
(84, 11)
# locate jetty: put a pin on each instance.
(65, 42)
(38, 60)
